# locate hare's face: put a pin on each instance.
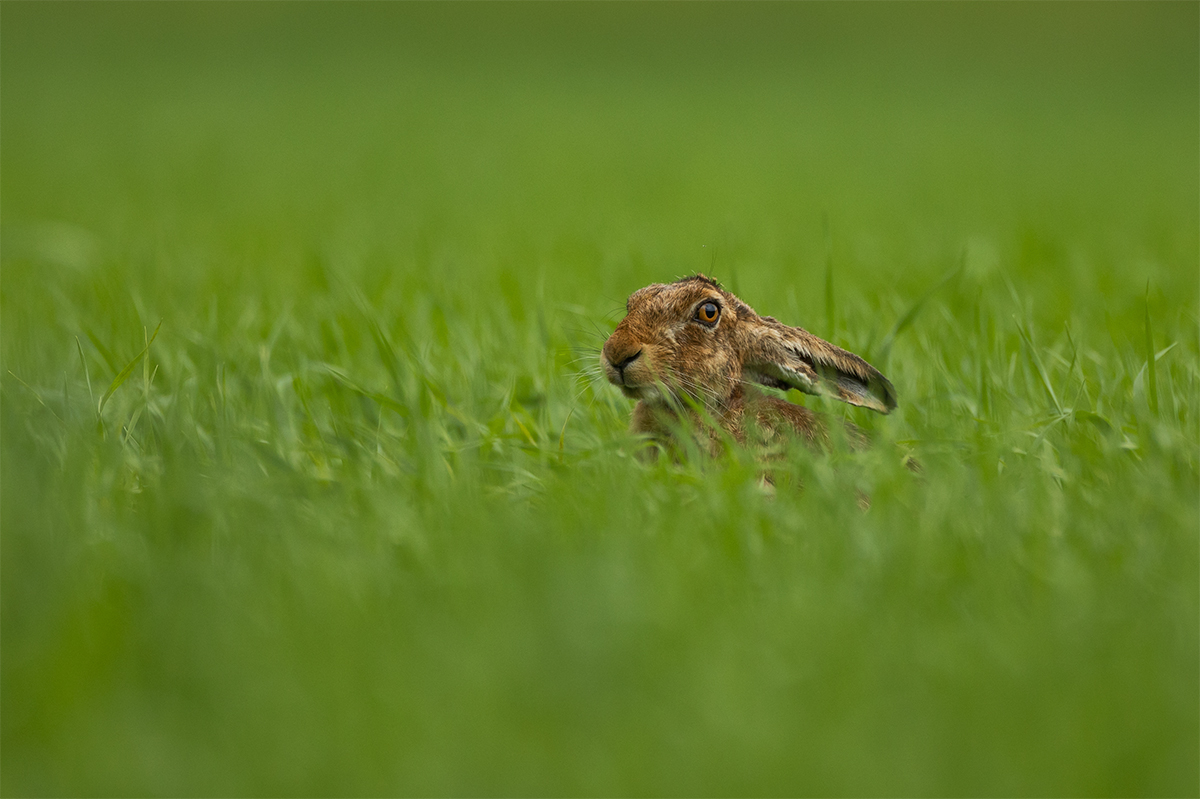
(677, 339)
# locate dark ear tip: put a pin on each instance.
(888, 392)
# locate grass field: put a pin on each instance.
(309, 488)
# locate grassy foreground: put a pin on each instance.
(307, 487)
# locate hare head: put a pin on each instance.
(693, 339)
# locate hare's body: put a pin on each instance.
(749, 416)
(692, 352)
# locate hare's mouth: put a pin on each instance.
(649, 392)
(636, 380)
(629, 384)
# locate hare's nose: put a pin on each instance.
(625, 362)
(619, 352)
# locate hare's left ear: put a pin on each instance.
(790, 357)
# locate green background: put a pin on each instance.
(362, 518)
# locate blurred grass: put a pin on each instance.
(360, 521)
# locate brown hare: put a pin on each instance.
(691, 345)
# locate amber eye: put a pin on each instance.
(708, 313)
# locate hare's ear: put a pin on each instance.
(790, 357)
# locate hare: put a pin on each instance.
(692, 345)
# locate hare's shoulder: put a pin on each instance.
(776, 415)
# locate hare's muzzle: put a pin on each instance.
(615, 363)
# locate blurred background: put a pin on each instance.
(510, 131)
(358, 519)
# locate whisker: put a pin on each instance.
(596, 330)
(581, 392)
(591, 370)
(583, 363)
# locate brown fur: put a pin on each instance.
(676, 366)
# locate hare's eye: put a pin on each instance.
(708, 313)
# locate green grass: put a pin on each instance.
(307, 487)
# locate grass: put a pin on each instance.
(307, 488)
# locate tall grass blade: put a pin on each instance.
(1151, 372)
(382, 399)
(104, 351)
(36, 396)
(146, 366)
(830, 306)
(124, 374)
(387, 353)
(1158, 356)
(910, 315)
(1040, 367)
(86, 374)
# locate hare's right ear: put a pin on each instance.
(790, 357)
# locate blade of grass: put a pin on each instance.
(983, 371)
(1076, 364)
(563, 433)
(525, 430)
(36, 396)
(86, 374)
(127, 430)
(911, 314)
(1095, 419)
(1037, 364)
(124, 374)
(146, 366)
(348, 382)
(387, 353)
(1151, 376)
(105, 353)
(1074, 350)
(830, 307)
(1158, 356)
